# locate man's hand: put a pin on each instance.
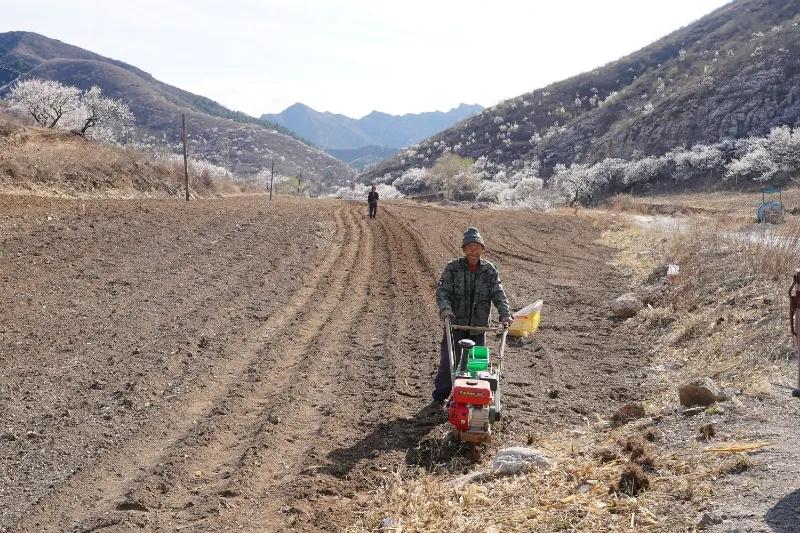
(447, 313)
(507, 321)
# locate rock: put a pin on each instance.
(725, 395)
(391, 524)
(519, 459)
(626, 306)
(8, 436)
(673, 271)
(31, 434)
(652, 294)
(628, 413)
(701, 391)
(552, 393)
(272, 419)
(707, 520)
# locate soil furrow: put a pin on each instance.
(139, 454)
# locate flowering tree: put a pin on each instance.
(643, 170)
(99, 116)
(701, 159)
(764, 157)
(359, 192)
(48, 102)
(89, 113)
(574, 182)
(413, 181)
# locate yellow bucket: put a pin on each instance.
(526, 320)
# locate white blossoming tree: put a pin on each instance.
(87, 113)
(48, 102)
(765, 157)
(100, 117)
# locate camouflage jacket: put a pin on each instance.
(469, 296)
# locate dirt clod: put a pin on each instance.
(707, 431)
(632, 481)
(628, 413)
(606, 455)
(699, 392)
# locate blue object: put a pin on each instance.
(765, 209)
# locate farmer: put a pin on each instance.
(467, 288)
(372, 202)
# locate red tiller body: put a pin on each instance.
(468, 395)
(472, 392)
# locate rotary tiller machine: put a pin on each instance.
(475, 401)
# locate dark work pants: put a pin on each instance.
(442, 384)
(373, 209)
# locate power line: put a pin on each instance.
(6, 67)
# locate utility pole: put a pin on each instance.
(299, 181)
(185, 157)
(271, 179)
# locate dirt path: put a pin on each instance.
(235, 365)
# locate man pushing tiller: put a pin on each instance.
(468, 287)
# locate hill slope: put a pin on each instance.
(230, 138)
(336, 131)
(731, 74)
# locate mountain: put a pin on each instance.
(331, 130)
(362, 158)
(229, 138)
(734, 73)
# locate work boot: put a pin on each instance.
(438, 404)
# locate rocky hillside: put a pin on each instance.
(232, 139)
(731, 74)
(331, 130)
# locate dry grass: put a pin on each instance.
(36, 160)
(725, 316)
(738, 205)
(728, 307)
(632, 258)
(603, 481)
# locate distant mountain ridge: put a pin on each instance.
(336, 131)
(362, 158)
(242, 143)
(731, 74)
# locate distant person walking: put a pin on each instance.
(372, 202)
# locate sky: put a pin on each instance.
(356, 56)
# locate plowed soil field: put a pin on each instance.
(245, 366)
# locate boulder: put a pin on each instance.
(626, 306)
(701, 391)
(519, 459)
